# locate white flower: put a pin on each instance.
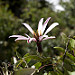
(15, 60)
(33, 67)
(41, 34)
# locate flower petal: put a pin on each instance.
(41, 37)
(40, 26)
(16, 36)
(45, 24)
(21, 38)
(51, 27)
(31, 39)
(28, 27)
(51, 37)
(27, 35)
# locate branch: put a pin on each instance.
(65, 54)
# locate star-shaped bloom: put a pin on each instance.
(41, 33)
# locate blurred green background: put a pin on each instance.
(13, 13)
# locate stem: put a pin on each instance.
(39, 47)
(25, 63)
(44, 66)
(1, 73)
(73, 52)
(65, 54)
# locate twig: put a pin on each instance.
(45, 66)
(25, 63)
(73, 52)
(65, 54)
(1, 72)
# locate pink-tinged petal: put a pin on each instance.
(31, 39)
(40, 26)
(34, 39)
(52, 37)
(21, 38)
(45, 24)
(27, 35)
(51, 27)
(16, 36)
(28, 27)
(41, 37)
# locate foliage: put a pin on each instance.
(57, 65)
(7, 22)
(67, 16)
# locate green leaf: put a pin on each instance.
(37, 58)
(37, 65)
(26, 71)
(74, 37)
(19, 63)
(54, 73)
(49, 73)
(28, 59)
(60, 49)
(70, 48)
(26, 55)
(34, 57)
(65, 72)
(72, 43)
(68, 64)
(45, 74)
(18, 55)
(46, 59)
(60, 73)
(64, 37)
(72, 73)
(70, 56)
